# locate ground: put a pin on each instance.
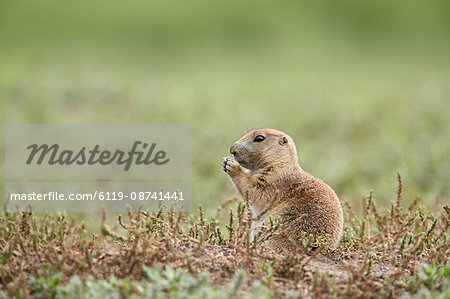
(401, 252)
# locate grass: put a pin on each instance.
(400, 252)
(355, 136)
(362, 100)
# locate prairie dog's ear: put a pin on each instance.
(283, 140)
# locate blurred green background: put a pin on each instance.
(361, 86)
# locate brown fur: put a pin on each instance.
(276, 185)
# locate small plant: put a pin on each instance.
(268, 267)
(236, 283)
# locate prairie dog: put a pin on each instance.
(275, 184)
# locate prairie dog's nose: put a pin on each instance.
(233, 149)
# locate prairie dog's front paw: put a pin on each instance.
(230, 165)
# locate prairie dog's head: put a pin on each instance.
(264, 147)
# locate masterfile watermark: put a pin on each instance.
(137, 167)
(94, 156)
(109, 196)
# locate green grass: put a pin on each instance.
(355, 126)
(362, 99)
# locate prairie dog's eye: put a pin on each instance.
(259, 138)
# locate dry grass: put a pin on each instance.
(380, 253)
